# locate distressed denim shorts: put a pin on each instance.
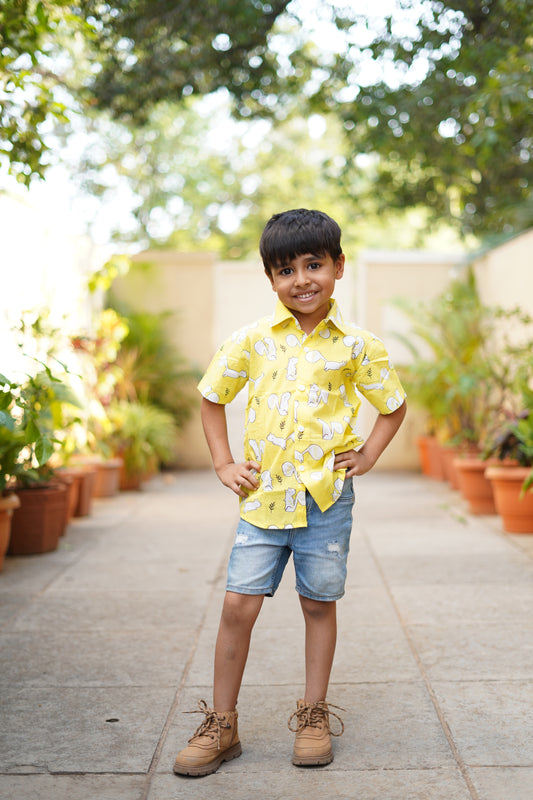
(320, 551)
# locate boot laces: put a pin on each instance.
(314, 715)
(210, 726)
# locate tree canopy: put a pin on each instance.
(434, 98)
(459, 138)
(28, 100)
(163, 50)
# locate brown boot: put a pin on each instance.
(215, 740)
(312, 745)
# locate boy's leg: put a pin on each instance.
(239, 614)
(217, 738)
(320, 640)
(312, 745)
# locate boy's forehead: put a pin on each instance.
(306, 256)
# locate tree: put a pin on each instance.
(132, 55)
(195, 178)
(160, 50)
(27, 83)
(448, 113)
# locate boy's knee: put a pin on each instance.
(241, 609)
(317, 609)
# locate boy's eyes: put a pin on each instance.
(289, 270)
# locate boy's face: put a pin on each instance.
(305, 285)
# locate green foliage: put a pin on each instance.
(152, 371)
(28, 82)
(513, 438)
(451, 124)
(32, 413)
(141, 434)
(154, 50)
(196, 190)
(469, 369)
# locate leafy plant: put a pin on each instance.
(152, 370)
(141, 434)
(32, 413)
(467, 377)
(514, 439)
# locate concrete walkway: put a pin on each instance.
(105, 642)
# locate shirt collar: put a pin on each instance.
(334, 317)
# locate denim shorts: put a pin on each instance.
(320, 551)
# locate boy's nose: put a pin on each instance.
(302, 277)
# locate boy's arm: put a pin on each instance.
(357, 462)
(237, 477)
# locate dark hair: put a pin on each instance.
(293, 233)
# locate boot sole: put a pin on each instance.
(208, 769)
(313, 761)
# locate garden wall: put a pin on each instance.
(505, 274)
(212, 299)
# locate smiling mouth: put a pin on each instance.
(305, 296)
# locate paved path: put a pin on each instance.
(105, 642)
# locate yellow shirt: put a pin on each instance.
(302, 406)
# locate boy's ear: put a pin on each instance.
(339, 266)
(269, 276)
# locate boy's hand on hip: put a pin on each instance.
(240, 478)
(355, 462)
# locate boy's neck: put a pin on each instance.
(308, 322)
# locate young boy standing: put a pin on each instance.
(305, 368)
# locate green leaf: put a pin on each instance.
(33, 433)
(43, 450)
(7, 421)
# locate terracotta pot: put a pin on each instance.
(423, 454)
(7, 506)
(516, 511)
(449, 454)
(436, 465)
(72, 477)
(39, 521)
(86, 493)
(107, 482)
(473, 485)
(450, 471)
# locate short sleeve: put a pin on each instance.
(228, 371)
(377, 380)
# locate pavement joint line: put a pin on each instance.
(177, 697)
(438, 710)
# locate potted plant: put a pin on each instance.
(11, 443)
(35, 406)
(466, 378)
(143, 436)
(512, 478)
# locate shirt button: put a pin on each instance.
(301, 387)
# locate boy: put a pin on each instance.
(303, 366)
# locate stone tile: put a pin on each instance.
(464, 603)
(72, 787)
(141, 576)
(364, 653)
(494, 651)
(66, 730)
(491, 723)
(504, 783)
(454, 568)
(112, 610)
(108, 658)
(32, 574)
(373, 654)
(362, 568)
(387, 726)
(313, 784)
(524, 541)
